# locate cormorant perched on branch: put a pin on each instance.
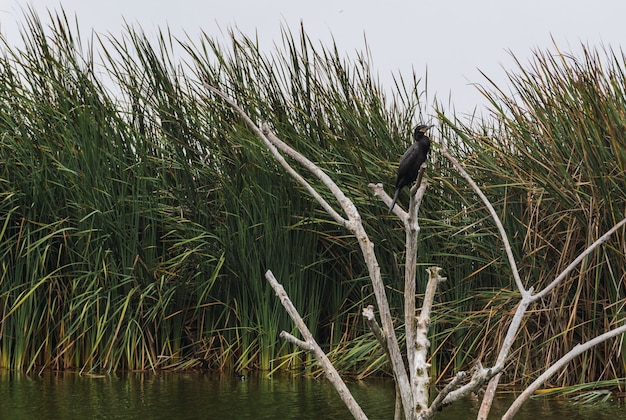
(412, 160)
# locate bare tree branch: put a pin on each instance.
(527, 295)
(505, 349)
(420, 375)
(353, 224)
(480, 376)
(412, 229)
(379, 191)
(343, 201)
(561, 363)
(437, 403)
(370, 319)
(494, 215)
(273, 149)
(417, 343)
(579, 259)
(512, 332)
(304, 345)
(310, 345)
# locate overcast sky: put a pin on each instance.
(449, 39)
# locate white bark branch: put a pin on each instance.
(437, 403)
(420, 375)
(370, 320)
(579, 259)
(417, 343)
(272, 147)
(379, 191)
(310, 345)
(418, 367)
(527, 295)
(353, 224)
(480, 376)
(560, 364)
(412, 229)
(344, 201)
(399, 370)
(494, 215)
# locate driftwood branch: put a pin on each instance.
(480, 376)
(370, 320)
(437, 403)
(527, 299)
(310, 345)
(579, 259)
(273, 148)
(304, 345)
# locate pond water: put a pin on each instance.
(197, 395)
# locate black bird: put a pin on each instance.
(412, 160)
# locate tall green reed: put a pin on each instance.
(102, 265)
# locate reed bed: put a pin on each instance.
(139, 213)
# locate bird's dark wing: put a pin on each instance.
(410, 163)
(407, 171)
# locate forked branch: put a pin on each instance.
(310, 345)
(527, 296)
(354, 224)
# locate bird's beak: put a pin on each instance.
(425, 129)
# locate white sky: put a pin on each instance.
(450, 39)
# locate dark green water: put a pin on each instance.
(205, 396)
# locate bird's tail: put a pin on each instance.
(395, 197)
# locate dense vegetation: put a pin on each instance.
(138, 212)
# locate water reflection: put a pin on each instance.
(180, 395)
(200, 395)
